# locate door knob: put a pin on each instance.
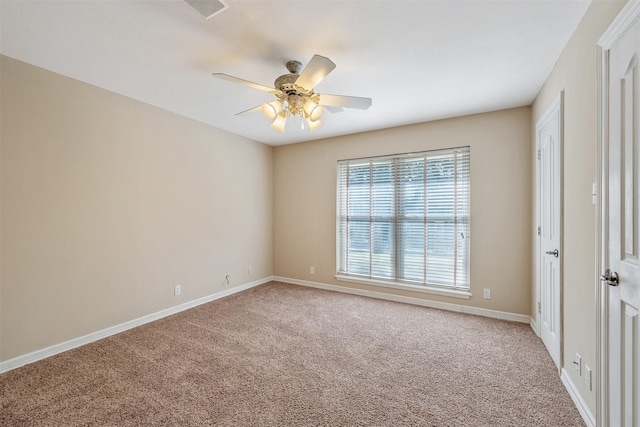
(610, 278)
(554, 252)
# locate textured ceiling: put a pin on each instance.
(417, 60)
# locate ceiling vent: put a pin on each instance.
(208, 8)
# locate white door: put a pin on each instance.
(549, 149)
(621, 228)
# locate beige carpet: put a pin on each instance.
(284, 355)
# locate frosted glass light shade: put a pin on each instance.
(271, 109)
(313, 110)
(313, 125)
(279, 122)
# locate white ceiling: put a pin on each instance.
(417, 60)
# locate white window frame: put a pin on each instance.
(452, 290)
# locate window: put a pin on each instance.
(404, 220)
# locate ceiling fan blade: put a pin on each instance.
(245, 82)
(334, 109)
(249, 111)
(317, 69)
(345, 101)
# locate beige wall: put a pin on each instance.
(107, 203)
(305, 202)
(575, 73)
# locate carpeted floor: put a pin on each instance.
(285, 355)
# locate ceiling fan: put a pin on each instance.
(295, 96)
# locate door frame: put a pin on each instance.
(625, 19)
(556, 106)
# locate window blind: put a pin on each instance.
(405, 218)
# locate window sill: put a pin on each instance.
(405, 286)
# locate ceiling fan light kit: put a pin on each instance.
(295, 96)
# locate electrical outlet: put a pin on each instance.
(249, 271)
(486, 293)
(177, 290)
(312, 270)
(577, 362)
(587, 377)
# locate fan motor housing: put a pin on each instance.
(286, 83)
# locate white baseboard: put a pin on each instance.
(534, 325)
(411, 300)
(585, 413)
(95, 336)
